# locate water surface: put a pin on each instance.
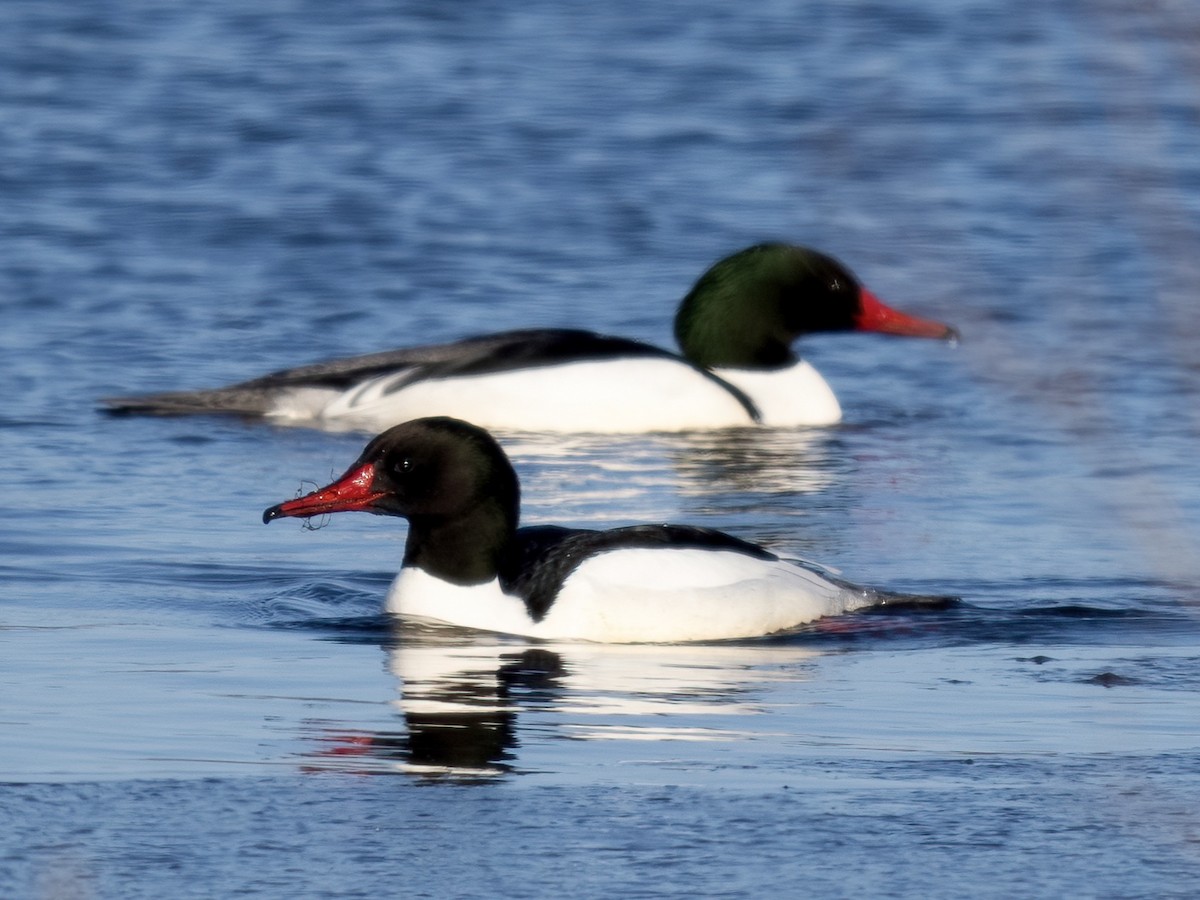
(195, 705)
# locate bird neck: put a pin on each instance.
(733, 317)
(463, 549)
(725, 333)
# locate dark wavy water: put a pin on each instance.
(194, 705)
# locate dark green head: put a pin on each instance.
(747, 309)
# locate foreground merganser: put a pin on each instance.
(735, 328)
(467, 563)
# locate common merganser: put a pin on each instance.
(735, 328)
(467, 563)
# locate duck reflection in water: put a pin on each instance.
(701, 466)
(464, 698)
(459, 706)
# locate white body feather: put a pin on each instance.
(641, 596)
(612, 396)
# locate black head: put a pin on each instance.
(436, 469)
(450, 480)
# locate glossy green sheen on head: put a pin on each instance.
(747, 309)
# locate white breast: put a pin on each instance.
(417, 594)
(628, 395)
(796, 395)
(642, 596)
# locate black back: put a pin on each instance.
(542, 557)
(487, 354)
(470, 356)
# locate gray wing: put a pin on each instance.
(470, 356)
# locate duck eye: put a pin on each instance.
(403, 466)
(835, 284)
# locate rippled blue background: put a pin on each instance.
(192, 194)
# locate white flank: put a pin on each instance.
(627, 395)
(298, 404)
(603, 397)
(642, 596)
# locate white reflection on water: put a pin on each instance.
(467, 706)
(460, 695)
(609, 469)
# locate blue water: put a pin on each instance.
(193, 705)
